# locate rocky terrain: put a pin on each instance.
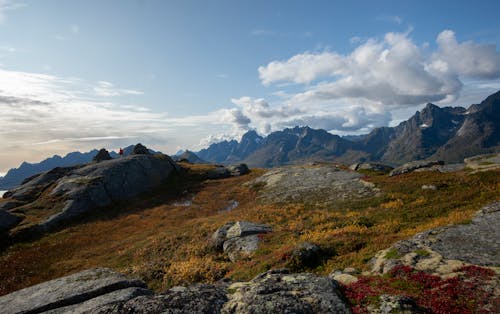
(441, 251)
(14, 177)
(67, 192)
(318, 183)
(314, 238)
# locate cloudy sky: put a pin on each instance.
(77, 75)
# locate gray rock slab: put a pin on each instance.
(414, 165)
(320, 184)
(101, 184)
(280, 292)
(66, 291)
(238, 169)
(196, 299)
(96, 304)
(475, 243)
(246, 228)
(241, 247)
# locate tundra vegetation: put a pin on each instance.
(163, 237)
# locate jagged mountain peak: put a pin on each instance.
(428, 133)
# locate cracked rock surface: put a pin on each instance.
(76, 190)
(310, 184)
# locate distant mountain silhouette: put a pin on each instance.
(15, 176)
(449, 133)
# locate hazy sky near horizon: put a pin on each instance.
(176, 74)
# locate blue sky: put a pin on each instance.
(76, 75)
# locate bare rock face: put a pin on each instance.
(229, 171)
(277, 291)
(238, 169)
(140, 149)
(308, 184)
(370, 166)
(414, 165)
(442, 250)
(102, 291)
(239, 239)
(78, 189)
(306, 255)
(197, 298)
(88, 290)
(102, 155)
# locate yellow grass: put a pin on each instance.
(167, 244)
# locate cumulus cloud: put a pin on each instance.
(467, 59)
(358, 119)
(302, 68)
(393, 71)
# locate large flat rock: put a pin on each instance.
(322, 184)
(278, 291)
(67, 291)
(443, 250)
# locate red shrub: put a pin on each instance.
(463, 294)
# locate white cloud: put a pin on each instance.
(467, 59)
(302, 68)
(107, 89)
(44, 114)
(392, 72)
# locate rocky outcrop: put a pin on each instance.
(238, 170)
(76, 190)
(189, 157)
(102, 290)
(414, 165)
(309, 184)
(395, 304)
(85, 291)
(306, 255)
(278, 291)
(198, 298)
(371, 167)
(218, 173)
(346, 276)
(443, 250)
(239, 239)
(102, 155)
(222, 172)
(140, 149)
(483, 162)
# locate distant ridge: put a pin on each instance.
(15, 176)
(449, 133)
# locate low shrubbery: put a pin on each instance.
(465, 293)
(167, 244)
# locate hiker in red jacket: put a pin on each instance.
(121, 152)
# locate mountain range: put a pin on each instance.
(15, 176)
(448, 133)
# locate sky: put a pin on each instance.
(181, 74)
